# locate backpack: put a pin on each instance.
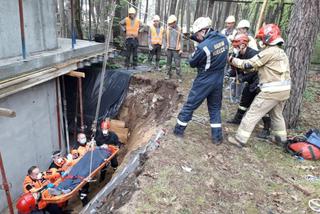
(307, 146)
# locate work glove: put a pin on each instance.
(104, 146)
(64, 174)
(69, 157)
(50, 185)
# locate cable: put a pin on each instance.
(314, 205)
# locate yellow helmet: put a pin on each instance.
(132, 10)
(171, 19)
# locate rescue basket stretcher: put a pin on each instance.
(48, 198)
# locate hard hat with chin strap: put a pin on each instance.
(172, 19)
(270, 34)
(201, 23)
(132, 10)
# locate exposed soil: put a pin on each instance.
(191, 175)
(149, 103)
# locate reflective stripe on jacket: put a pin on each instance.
(156, 39)
(132, 29)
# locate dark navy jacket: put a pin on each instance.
(211, 54)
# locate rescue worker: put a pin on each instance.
(174, 45)
(230, 30)
(209, 58)
(79, 150)
(81, 147)
(275, 83)
(35, 183)
(155, 40)
(59, 162)
(131, 26)
(243, 27)
(251, 81)
(104, 138)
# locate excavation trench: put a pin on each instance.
(148, 104)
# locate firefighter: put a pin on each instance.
(275, 83)
(155, 40)
(79, 150)
(81, 147)
(209, 58)
(230, 30)
(251, 81)
(131, 26)
(59, 162)
(174, 45)
(35, 183)
(243, 27)
(104, 138)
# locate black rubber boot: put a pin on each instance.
(265, 132)
(237, 118)
(179, 130)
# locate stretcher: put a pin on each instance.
(50, 199)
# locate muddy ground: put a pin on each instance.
(191, 175)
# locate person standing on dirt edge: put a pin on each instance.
(155, 40)
(209, 58)
(275, 84)
(174, 46)
(131, 26)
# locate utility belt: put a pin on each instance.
(276, 86)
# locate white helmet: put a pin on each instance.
(132, 10)
(201, 23)
(171, 19)
(243, 24)
(156, 18)
(230, 19)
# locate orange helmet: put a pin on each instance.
(270, 34)
(105, 124)
(26, 203)
(239, 40)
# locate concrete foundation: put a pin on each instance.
(29, 138)
(39, 22)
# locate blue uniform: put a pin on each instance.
(210, 58)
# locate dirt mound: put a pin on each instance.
(149, 103)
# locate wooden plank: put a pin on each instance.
(76, 74)
(117, 123)
(7, 112)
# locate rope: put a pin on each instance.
(314, 205)
(104, 66)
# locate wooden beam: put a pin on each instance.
(7, 112)
(264, 6)
(76, 74)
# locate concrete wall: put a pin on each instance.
(30, 137)
(40, 26)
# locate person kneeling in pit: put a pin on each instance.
(35, 183)
(251, 78)
(104, 138)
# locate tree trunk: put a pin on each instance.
(303, 29)
(173, 7)
(158, 7)
(188, 24)
(77, 19)
(146, 12)
(197, 10)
